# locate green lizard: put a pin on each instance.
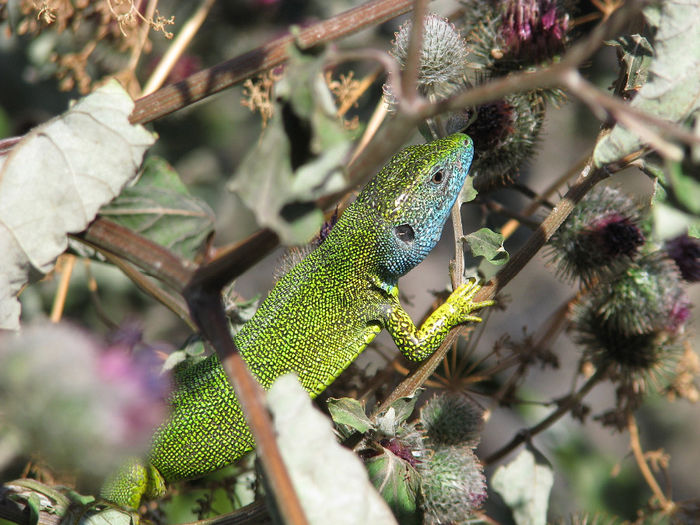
(319, 316)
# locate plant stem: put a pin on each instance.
(226, 74)
(636, 447)
(525, 435)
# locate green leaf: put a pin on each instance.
(56, 179)
(686, 188)
(404, 406)
(673, 89)
(399, 484)
(669, 220)
(525, 484)
(637, 55)
(300, 156)
(389, 422)
(468, 193)
(350, 412)
(160, 208)
(192, 353)
(488, 244)
(331, 482)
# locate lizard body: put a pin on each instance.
(319, 316)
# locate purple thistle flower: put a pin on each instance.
(533, 30)
(685, 251)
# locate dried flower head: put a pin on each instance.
(79, 406)
(505, 135)
(508, 35)
(533, 30)
(632, 323)
(443, 56)
(451, 419)
(685, 251)
(453, 484)
(603, 233)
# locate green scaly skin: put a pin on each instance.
(319, 316)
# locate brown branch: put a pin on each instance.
(147, 255)
(203, 295)
(525, 435)
(226, 74)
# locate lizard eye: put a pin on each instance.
(405, 233)
(438, 177)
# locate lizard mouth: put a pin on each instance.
(405, 233)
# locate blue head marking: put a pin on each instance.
(411, 198)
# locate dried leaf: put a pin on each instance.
(300, 156)
(331, 482)
(673, 89)
(56, 179)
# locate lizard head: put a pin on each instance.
(412, 197)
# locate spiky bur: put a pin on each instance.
(78, 405)
(453, 484)
(452, 479)
(509, 35)
(451, 419)
(505, 134)
(602, 234)
(631, 324)
(685, 251)
(442, 62)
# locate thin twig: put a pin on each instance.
(525, 435)
(212, 80)
(509, 227)
(636, 446)
(172, 302)
(587, 179)
(177, 48)
(62, 292)
(143, 35)
(630, 117)
(409, 76)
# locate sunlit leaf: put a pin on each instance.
(525, 484)
(56, 179)
(488, 244)
(331, 482)
(672, 91)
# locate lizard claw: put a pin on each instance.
(462, 299)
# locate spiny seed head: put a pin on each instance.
(509, 35)
(685, 251)
(451, 419)
(453, 484)
(533, 30)
(443, 55)
(643, 297)
(506, 132)
(632, 323)
(603, 233)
